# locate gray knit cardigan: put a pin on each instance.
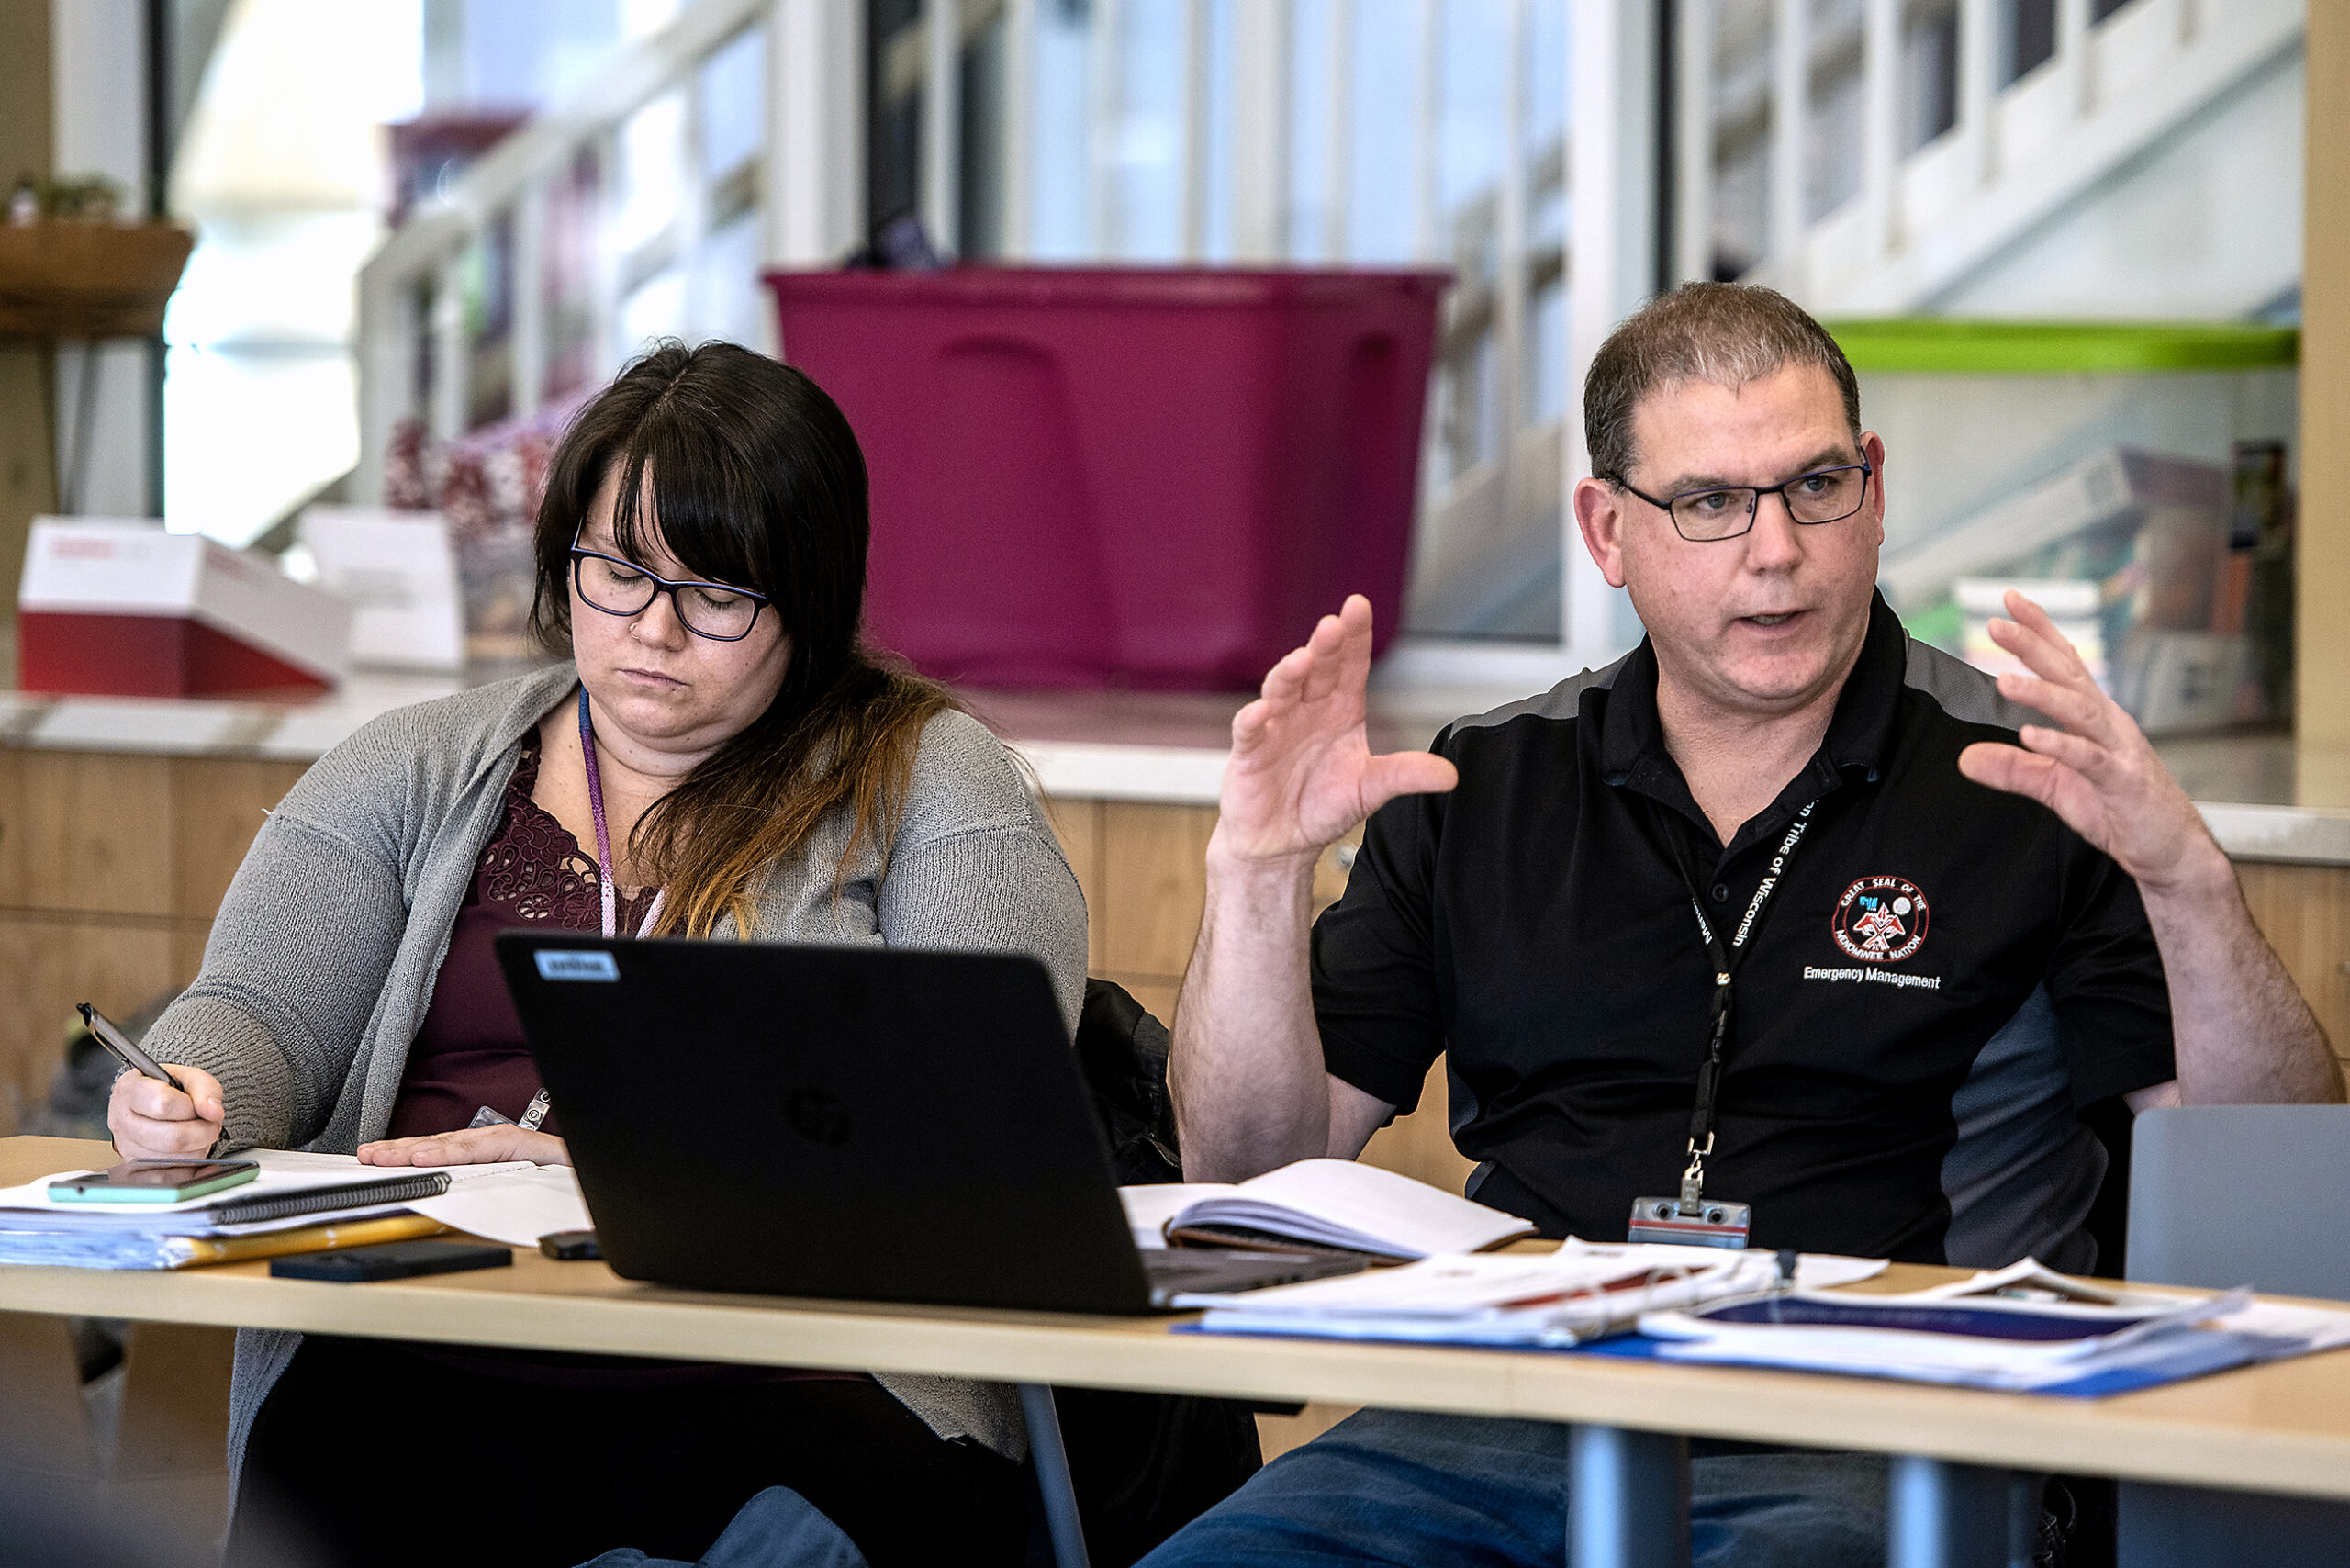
(321, 963)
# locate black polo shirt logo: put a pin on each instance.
(1880, 920)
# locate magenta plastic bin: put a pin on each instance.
(1123, 478)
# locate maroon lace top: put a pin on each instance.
(470, 1052)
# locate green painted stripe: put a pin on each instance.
(1942, 346)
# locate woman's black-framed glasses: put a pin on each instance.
(1725, 511)
(714, 611)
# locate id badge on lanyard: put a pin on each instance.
(1690, 1221)
(1690, 1218)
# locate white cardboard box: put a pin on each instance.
(398, 573)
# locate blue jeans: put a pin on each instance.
(1398, 1487)
(778, 1528)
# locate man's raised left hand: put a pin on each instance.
(2098, 771)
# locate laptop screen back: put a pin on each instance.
(864, 1123)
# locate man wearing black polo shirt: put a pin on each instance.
(1782, 909)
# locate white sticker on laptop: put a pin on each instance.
(574, 964)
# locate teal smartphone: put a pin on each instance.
(154, 1181)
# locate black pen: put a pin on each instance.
(124, 1049)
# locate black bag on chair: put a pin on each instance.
(1122, 1052)
(1143, 1464)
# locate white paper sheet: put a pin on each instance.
(1514, 1298)
(513, 1206)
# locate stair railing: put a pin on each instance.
(506, 292)
(1932, 203)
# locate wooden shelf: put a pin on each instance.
(88, 280)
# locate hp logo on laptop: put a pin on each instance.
(816, 1115)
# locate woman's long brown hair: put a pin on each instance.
(753, 478)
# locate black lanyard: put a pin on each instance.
(1725, 960)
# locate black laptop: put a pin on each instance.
(871, 1124)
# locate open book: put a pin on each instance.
(1334, 1205)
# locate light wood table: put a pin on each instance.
(2280, 1429)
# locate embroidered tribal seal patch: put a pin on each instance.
(1880, 919)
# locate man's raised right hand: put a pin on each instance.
(1301, 773)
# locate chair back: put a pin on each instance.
(2224, 1196)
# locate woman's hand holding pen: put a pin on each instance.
(473, 1146)
(151, 1120)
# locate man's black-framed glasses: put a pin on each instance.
(714, 611)
(1725, 511)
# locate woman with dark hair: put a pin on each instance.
(717, 756)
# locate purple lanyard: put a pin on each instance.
(536, 1112)
(607, 885)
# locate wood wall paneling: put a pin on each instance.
(1153, 884)
(2304, 911)
(50, 962)
(111, 868)
(1276, 1435)
(93, 831)
(218, 805)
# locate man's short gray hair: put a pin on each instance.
(1725, 333)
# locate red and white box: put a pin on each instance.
(120, 608)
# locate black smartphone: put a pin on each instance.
(392, 1260)
(154, 1181)
(571, 1246)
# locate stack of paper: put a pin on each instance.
(294, 1191)
(2021, 1328)
(1581, 1289)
